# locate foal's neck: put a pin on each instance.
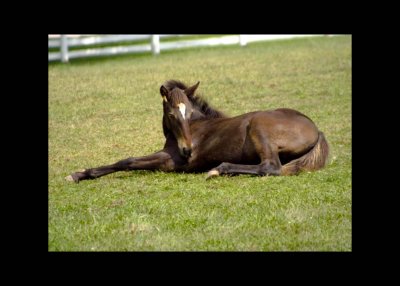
(204, 109)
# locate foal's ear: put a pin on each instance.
(190, 91)
(164, 92)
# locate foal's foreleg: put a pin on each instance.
(157, 161)
(269, 158)
(264, 168)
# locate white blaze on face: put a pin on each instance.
(182, 109)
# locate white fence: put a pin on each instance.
(63, 43)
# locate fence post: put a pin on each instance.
(155, 44)
(64, 49)
(242, 40)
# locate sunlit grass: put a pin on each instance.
(101, 111)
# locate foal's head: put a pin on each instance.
(178, 111)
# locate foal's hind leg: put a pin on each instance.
(269, 159)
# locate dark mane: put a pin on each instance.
(198, 102)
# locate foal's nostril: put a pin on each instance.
(187, 152)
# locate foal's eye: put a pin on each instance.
(171, 115)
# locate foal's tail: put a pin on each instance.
(315, 159)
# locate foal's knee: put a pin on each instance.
(125, 164)
(269, 168)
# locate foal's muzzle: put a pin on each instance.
(187, 152)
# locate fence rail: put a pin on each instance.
(152, 44)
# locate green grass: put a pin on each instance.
(106, 110)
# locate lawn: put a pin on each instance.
(104, 110)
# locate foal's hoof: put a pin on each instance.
(75, 177)
(72, 178)
(69, 178)
(212, 173)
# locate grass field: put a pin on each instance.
(101, 111)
